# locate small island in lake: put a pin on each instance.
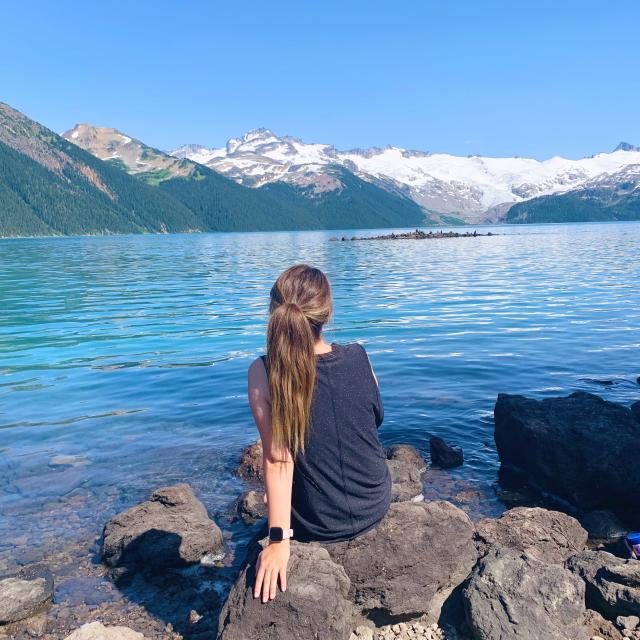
(418, 234)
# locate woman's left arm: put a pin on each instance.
(278, 478)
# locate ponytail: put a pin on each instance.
(300, 306)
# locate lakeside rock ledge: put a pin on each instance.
(580, 448)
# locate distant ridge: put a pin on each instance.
(49, 185)
(98, 180)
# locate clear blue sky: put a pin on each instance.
(498, 78)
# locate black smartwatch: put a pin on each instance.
(278, 534)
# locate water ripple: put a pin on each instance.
(131, 352)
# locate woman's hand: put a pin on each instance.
(271, 565)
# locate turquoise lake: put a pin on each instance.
(123, 359)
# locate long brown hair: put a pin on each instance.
(300, 307)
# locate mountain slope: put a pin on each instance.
(331, 197)
(472, 188)
(152, 165)
(357, 204)
(605, 198)
(49, 186)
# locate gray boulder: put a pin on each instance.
(97, 631)
(408, 454)
(411, 562)
(406, 481)
(443, 455)
(613, 584)
(315, 604)
(251, 463)
(171, 529)
(25, 594)
(251, 507)
(629, 623)
(581, 448)
(513, 596)
(600, 627)
(549, 536)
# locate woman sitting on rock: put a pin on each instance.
(317, 408)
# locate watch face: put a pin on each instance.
(276, 534)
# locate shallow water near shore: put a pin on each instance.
(124, 359)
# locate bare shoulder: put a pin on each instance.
(258, 382)
(257, 369)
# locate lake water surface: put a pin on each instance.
(123, 359)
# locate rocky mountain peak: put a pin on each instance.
(625, 146)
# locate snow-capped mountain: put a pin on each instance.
(608, 196)
(472, 188)
(318, 196)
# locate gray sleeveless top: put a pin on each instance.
(341, 484)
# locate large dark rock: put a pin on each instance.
(315, 604)
(549, 536)
(25, 594)
(580, 447)
(408, 454)
(613, 584)
(406, 481)
(171, 529)
(513, 596)
(443, 455)
(251, 463)
(635, 411)
(411, 562)
(603, 525)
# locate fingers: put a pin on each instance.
(266, 585)
(267, 576)
(264, 497)
(259, 578)
(274, 585)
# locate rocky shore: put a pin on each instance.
(418, 234)
(427, 571)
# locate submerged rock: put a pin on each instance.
(580, 447)
(25, 594)
(97, 631)
(513, 596)
(251, 465)
(171, 529)
(613, 584)
(549, 536)
(443, 455)
(635, 411)
(251, 507)
(315, 604)
(411, 562)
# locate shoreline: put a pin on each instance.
(185, 601)
(590, 223)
